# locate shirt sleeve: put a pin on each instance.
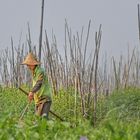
(38, 84)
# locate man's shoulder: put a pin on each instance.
(40, 70)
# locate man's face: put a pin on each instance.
(31, 67)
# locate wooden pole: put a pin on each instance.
(139, 21)
(97, 41)
(41, 28)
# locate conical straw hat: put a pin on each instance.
(30, 60)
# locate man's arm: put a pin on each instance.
(36, 87)
(38, 84)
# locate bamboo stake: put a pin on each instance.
(41, 28)
(97, 41)
(139, 21)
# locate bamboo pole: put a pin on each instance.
(97, 41)
(41, 28)
(139, 21)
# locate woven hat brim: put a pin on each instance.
(25, 63)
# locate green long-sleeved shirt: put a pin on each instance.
(41, 85)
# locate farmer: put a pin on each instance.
(41, 90)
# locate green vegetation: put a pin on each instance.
(118, 118)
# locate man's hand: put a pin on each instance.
(30, 96)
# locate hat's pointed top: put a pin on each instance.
(30, 60)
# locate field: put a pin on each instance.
(118, 118)
(97, 98)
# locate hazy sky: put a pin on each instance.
(118, 19)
